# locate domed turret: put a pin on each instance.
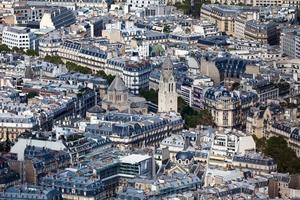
(184, 157)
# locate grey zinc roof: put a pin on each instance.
(117, 85)
(167, 68)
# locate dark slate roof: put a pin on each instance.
(231, 66)
(217, 92)
(96, 109)
(259, 160)
(88, 50)
(295, 135)
(283, 127)
(184, 155)
(219, 40)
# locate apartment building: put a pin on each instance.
(146, 43)
(19, 37)
(205, 28)
(133, 5)
(30, 192)
(191, 91)
(264, 32)
(102, 178)
(57, 17)
(49, 45)
(264, 89)
(12, 125)
(164, 187)
(224, 16)
(258, 163)
(39, 161)
(83, 54)
(133, 130)
(135, 73)
(226, 144)
(228, 108)
(30, 15)
(240, 23)
(290, 43)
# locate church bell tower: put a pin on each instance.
(167, 95)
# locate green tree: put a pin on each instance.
(31, 52)
(4, 48)
(181, 104)
(101, 73)
(185, 6)
(260, 143)
(31, 95)
(193, 117)
(53, 59)
(108, 77)
(18, 50)
(77, 68)
(284, 156)
(291, 105)
(150, 95)
(5, 146)
(156, 50)
(167, 29)
(284, 87)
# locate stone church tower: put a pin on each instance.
(117, 96)
(167, 95)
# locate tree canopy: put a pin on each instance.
(193, 117)
(4, 48)
(31, 52)
(150, 95)
(187, 8)
(277, 148)
(78, 68)
(18, 50)
(108, 77)
(53, 59)
(167, 28)
(5, 146)
(31, 95)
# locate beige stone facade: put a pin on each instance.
(167, 95)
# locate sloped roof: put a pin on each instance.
(167, 68)
(118, 85)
